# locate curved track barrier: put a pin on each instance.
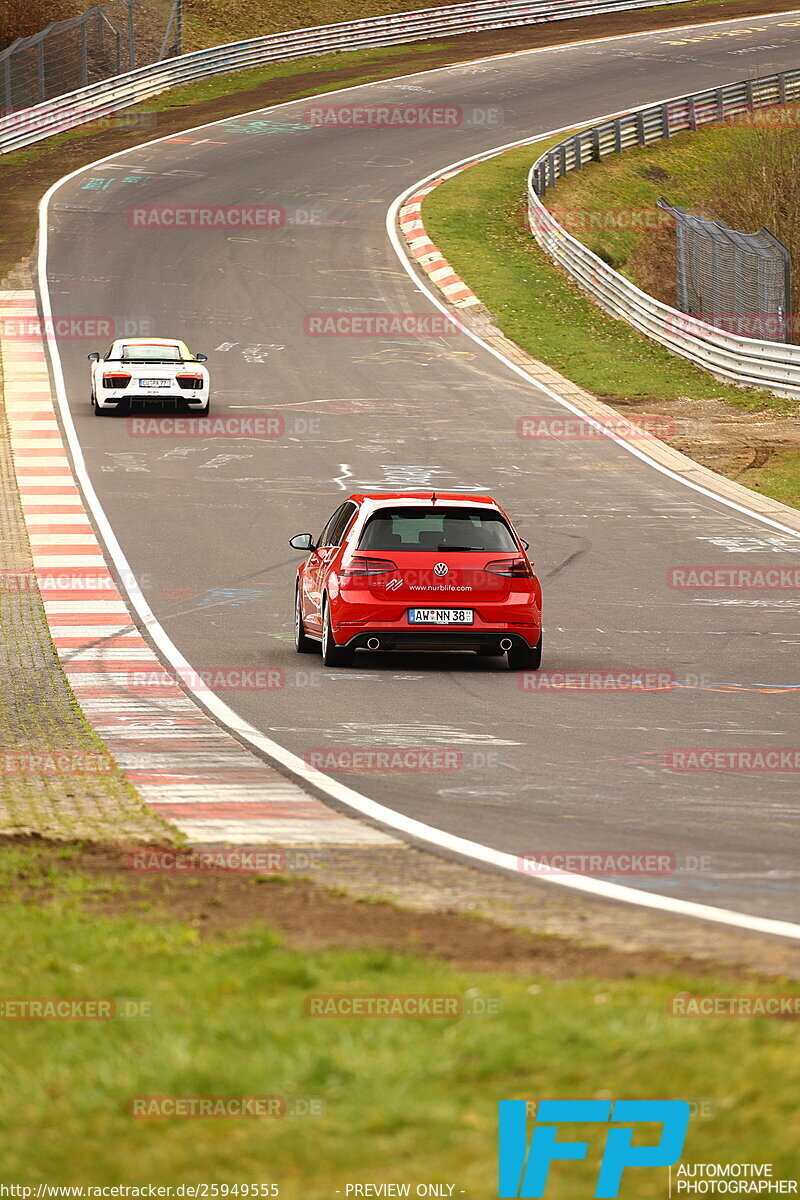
(742, 360)
(29, 125)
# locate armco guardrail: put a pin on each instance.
(748, 361)
(26, 126)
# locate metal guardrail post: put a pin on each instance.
(84, 56)
(40, 64)
(131, 38)
(640, 129)
(665, 120)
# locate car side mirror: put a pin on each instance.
(527, 545)
(93, 357)
(201, 358)
(302, 541)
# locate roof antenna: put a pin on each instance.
(433, 497)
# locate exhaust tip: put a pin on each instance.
(506, 643)
(373, 643)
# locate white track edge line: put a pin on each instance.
(224, 714)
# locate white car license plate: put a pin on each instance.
(440, 616)
(156, 383)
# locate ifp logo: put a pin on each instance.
(524, 1169)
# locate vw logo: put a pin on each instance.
(440, 569)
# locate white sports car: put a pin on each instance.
(149, 370)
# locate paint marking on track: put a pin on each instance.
(316, 780)
(224, 795)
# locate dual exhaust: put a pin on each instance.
(374, 643)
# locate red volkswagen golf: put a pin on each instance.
(418, 571)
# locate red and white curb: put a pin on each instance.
(187, 768)
(428, 256)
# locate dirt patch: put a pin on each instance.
(314, 917)
(714, 433)
(24, 182)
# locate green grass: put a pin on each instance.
(477, 220)
(780, 478)
(405, 1099)
(708, 170)
(239, 81)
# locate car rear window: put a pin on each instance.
(437, 530)
(151, 354)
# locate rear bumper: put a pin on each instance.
(187, 399)
(440, 638)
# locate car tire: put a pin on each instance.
(302, 642)
(333, 655)
(525, 658)
(98, 411)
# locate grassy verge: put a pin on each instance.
(478, 220)
(208, 21)
(743, 173)
(416, 1097)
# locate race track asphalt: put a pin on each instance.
(204, 522)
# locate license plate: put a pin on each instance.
(153, 383)
(440, 616)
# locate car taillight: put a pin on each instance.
(368, 566)
(116, 379)
(515, 568)
(189, 383)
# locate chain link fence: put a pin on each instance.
(739, 282)
(104, 41)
